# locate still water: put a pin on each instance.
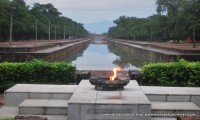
(101, 56)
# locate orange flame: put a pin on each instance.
(115, 73)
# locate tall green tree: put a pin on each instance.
(26, 19)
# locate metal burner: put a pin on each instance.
(105, 84)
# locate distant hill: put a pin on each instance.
(99, 27)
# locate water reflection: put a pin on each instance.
(126, 59)
(102, 56)
(74, 57)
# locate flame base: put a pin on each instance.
(104, 84)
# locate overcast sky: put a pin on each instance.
(91, 12)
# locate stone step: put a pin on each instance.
(20, 92)
(172, 94)
(173, 109)
(50, 117)
(161, 118)
(44, 107)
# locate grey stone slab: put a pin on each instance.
(156, 98)
(14, 99)
(34, 103)
(64, 89)
(109, 101)
(52, 117)
(187, 113)
(44, 106)
(175, 91)
(178, 98)
(162, 118)
(144, 110)
(39, 95)
(57, 103)
(84, 97)
(174, 108)
(109, 97)
(153, 90)
(32, 110)
(74, 111)
(164, 113)
(20, 88)
(161, 106)
(18, 93)
(66, 96)
(56, 111)
(196, 100)
(192, 90)
(56, 117)
(134, 97)
(88, 104)
(42, 88)
(137, 100)
(123, 112)
(184, 106)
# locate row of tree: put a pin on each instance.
(43, 18)
(175, 19)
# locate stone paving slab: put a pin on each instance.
(153, 90)
(42, 88)
(87, 103)
(20, 92)
(12, 111)
(43, 107)
(161, 118)
(174, 108)
(172, 94)
(171, 90)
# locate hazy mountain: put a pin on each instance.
(99, 27)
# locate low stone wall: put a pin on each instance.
(151, 56)
(154, 55)
(36, 47)
(26, 48)
(55, 55)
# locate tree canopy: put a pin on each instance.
(174, 20)
(25, 19)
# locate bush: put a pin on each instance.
(181, 73)
(37, 72)
(7, 119)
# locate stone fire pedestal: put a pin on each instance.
(89, 104)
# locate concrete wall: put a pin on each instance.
(53, 55)
(151, 56)
(155, 53)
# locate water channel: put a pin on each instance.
(99, 55)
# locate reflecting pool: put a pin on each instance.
(101, 56)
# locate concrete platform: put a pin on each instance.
(174, 109)
(20, 92)
(172, 94)
(12, 111)
(44, 107)
(86, 103)
(161, 118)
(89, 104)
